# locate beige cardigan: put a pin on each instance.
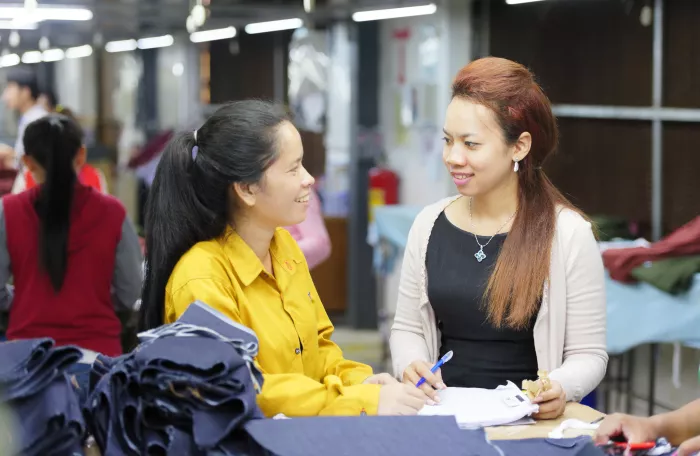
(569, 330)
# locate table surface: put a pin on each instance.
(537, 430)
(541, 429)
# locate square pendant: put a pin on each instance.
(480, 256)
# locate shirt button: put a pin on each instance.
(297, 351)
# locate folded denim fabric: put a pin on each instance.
(49, 419)
(185, 390)
(20, 355)
(30, 365)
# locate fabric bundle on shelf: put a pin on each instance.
(186, 390)
(37, 391)
(684, 241)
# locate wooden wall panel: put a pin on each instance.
(604, 167)
(583, 52)
(681, 173)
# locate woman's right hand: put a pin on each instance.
(433, 382)
(401, 399)
(633, 429)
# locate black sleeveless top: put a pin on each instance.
(484, 356)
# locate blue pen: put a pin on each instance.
(438, 365)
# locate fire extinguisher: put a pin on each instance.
(383, 188)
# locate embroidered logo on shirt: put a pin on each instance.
(289, 265)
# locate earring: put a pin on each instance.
(516, 166)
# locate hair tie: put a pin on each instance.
(195, 148)
(55, 122)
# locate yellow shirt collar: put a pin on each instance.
(248, 266)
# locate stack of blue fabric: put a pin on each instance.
(186, 390)
(35, 387)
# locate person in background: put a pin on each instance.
(88, 175)
(680, 427)
(311, 234)
(66, 246)
(20, 95)
(218, 200)
(508, 274)
(49, 101)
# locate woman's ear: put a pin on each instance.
(32, 165)
(80, 158)
(34, 168)
(522, 146)
(245, 192)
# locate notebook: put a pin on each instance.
(477, 407)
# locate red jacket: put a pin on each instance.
(88, 176)
(684, 241)
(82, 312)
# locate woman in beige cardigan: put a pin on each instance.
(507, 275)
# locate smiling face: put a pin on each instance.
(282, 196)
(476, 153)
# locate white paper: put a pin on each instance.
(526, 421)
(477, 407)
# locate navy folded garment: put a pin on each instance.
(102, 365)
(50, 420)
(20, 355)
(184, 390)
(200, 314)
(30, 365)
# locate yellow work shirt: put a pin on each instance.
(304, 372)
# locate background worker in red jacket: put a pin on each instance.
(87, 174)
(67, 248)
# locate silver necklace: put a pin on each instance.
(480, 255)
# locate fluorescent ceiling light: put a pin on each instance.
(155, 42)
(17, 25)
(53, 55)
(46, 13)
(211, 35)
(393, 13)
(273, 26)
(31, 57)
(121, 46)
(517, 2)
(9, 60)
(79, 51)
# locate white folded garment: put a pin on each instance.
(477, 407)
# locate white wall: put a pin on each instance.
(439, 45)
(178, 93)
(430, 67)
(76, 88)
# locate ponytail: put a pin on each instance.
(175, 221)
(189, 200)
(53, 142)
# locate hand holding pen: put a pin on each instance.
(426, 377)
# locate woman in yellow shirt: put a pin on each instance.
(216, 206)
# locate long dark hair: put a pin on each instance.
(519, 105)
(53, 142)
(189, 201)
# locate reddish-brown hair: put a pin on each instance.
(509, 90)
